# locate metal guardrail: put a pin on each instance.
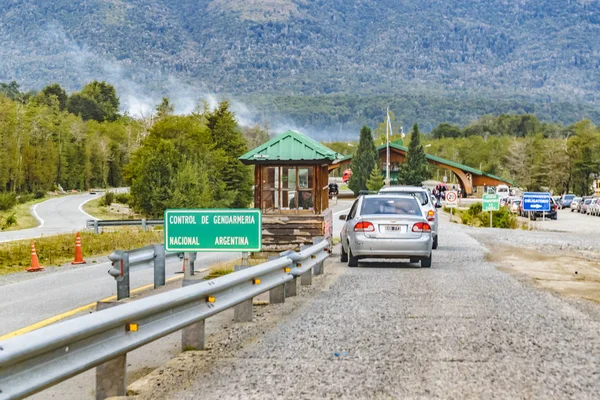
(122, 261)
(39, 359)
(96, 224)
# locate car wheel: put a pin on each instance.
(352, 261)
(344, 256)
(426, 262)
(435, 242)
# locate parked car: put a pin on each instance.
(583, 206)
(566, 200)
(575, 204)
(515, 206)
(429, 208)
(386, 226)
(592, 208)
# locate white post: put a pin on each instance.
(387, 145)
(491, 216)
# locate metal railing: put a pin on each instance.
(122, 261)
(50, 355)
(96, 224)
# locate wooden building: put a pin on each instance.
(291, 178)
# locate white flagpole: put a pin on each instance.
(387, 145)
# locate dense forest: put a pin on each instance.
(535, 155)
(431, 61)
(80, 141)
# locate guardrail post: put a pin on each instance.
(111, 377)
(305, 278)
(188, 264)
(243, 311)
(120, 271)
(318, 269)
(144, 224)
(96, 228)
(291, 286)
(159, 265)
(277, 294)
(192, 337)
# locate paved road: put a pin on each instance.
(572, 222)
(33, 300)
(59, 215)
(462, 329)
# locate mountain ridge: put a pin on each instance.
(537, 49)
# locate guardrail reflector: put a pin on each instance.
(298, 265)
(210, 299)
(287, 269)
(256, 281)
(313, 256)
(132, 327)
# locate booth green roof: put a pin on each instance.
(290, 147)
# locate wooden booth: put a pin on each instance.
(291, 179)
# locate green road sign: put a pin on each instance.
(491, 202)
(213, 230)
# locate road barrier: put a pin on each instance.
(35, 262)
(37, 360)
(96, 224)
(122, 261)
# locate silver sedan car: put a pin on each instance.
(386, 226)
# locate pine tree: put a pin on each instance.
(376, 180)
(229, 145)
(415, 170)
(363, 161)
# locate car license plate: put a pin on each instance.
(395, 228)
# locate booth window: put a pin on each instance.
(288, 189)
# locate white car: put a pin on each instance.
(424, 197)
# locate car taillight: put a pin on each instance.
(421, 227)
(430, 215)
(364, 226)
(555, 207)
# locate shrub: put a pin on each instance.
(39, 194)
(10, 220)
(475, 209)
(24, 198)
(122, 198)
(108, 199)
(7, 201)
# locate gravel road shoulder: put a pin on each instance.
(462, 329)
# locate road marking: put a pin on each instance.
(81, 209)
(35, 214)
(77, 310)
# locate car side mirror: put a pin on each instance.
(343, 217)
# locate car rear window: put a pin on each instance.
(421, 195)
(588, 201)
(390, 206)
(567, 197)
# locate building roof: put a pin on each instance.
(440, 160)
(290, 147)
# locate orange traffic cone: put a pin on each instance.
(35, 264)
(78, 254)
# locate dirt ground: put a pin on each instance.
(567, 275)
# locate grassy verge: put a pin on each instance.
(60, 249)
(474, 216)
(114, 211)
(228, 267)
(23, 215)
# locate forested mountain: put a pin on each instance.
(498, 55)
